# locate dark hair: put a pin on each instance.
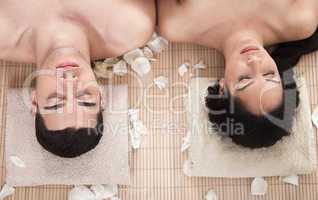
(260, 131)
(69, 142)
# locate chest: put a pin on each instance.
(106, 23)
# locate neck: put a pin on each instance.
(60, 36)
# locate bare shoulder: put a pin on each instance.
(303, 18)
(130, 24)
(177, 19)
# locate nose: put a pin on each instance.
(254, 60)
(67, 83)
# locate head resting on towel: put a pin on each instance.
(261, 118)
(256, 101)
(67, 104)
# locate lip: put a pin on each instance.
(68, 64)
(249, 49)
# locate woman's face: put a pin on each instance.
(251, 75)
(67, 94)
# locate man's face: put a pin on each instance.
(66, 93)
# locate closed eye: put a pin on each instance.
(54, 107)
(242, 78)
(87, 104)
(271, 73)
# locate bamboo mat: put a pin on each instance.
(156, 168)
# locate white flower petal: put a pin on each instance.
(120, 68)
(138, 129)
(135, 138)
(115, 198)
(6, 191)
(148, 52)
(183, 68)
(210, 195)
(200, 65)
(161, 82)
(110, 61)
(186, 143)
(132, 55)
(154, 36)
(81, 193)
(103, 70)
(17, 161)
(315, 117)
(104, 191)
(98, 190)
(187, 167)
(259, 186)
(133, 114)
(111, 189)
(141, 66)
(293, 180)
(158, 44)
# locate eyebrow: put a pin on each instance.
(60, 96)
(250, 83)
(55, 95)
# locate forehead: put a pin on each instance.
(261, 97)
(60, 121)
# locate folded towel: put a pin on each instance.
(106, 164)
(211, 156)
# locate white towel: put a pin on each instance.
(211, 156)
(106, 164)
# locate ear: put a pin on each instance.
(222, 86)
(34, 102)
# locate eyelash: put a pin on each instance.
(55, 107)
(269, 73)
(244, 77)
(87, 104)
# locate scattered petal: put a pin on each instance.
(133, 55)
(115, 198)
(211, 195)
(154, 36)
(186, 143)
(293, 180)
(135, 138)
(141, 66)
(158, 44)
(315, 117)
(133, 114)
(138, 129)
(183, 68)
(102, 70)
(259, 186)
(161, 82)
(112, 189)
(148, 52)
(120, 68)
(110, 61)
(6, 191)
(104, 191)
(81, 193)
(200, 65)
(187, 167)
(17, 161)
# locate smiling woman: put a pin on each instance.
(258, 91)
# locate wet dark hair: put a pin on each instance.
(69, 142)
(226, 113)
